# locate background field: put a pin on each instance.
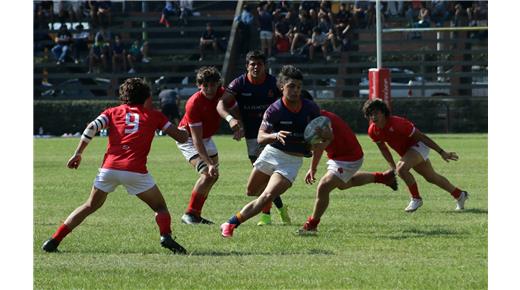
(365, 239)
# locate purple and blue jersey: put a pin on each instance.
(278, 118)
(253, 100)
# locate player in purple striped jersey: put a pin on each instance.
(282, 132)
(243, 104)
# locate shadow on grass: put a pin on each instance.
(418, 233)
(235, 253)
(469, 210)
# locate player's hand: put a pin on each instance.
(234, 124)
(213, 170)
(310, 177)
(74, 162)
(238, 134)
(281, 135)
(325, 134)
(447, 156)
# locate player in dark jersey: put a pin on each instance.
(413, 146)
(243, 104)
(345, 159)
(282, 131)
(131, 128)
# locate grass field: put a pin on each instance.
(365, 241)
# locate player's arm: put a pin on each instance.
(386, 154)
(317, 152)
(101, 122)
(196, 136)
(265, 138)
(227, 111)
(179, 135)
(421, 137)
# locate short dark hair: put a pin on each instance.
(134, 91)
(288, 72)
(256, 55)
(208, 74)
(372, 105)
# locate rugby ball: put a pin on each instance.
(310, 135)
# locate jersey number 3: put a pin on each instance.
(132, 123)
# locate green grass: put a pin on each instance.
(365, 241)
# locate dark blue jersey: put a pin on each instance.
(277, 118)
(253, 100)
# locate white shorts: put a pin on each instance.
(253, 148)
(108, 179)
(422, 149)
(189, 151)
(272, 160)
(264, 34)
(344, 169)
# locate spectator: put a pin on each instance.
(75, 10)
(302, 32)
(265, 19)
(169, 12)
(100, 13)
(44, 13)
(118, 55)
(439, 12)
(282, 40)
(207, 40)
(170, 103)
(395, 8)
(360, 13)
(245, 26)
(318, 39)
(62, 47)
(137, 52)
(186, 7)
(98, 55)
(59, 10)
(80, 42)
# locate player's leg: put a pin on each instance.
(426, 170)
(200, 192)
(277, 185)
(327, 183)
(408, 161)
(155, 200)
(203, 184)
(94, 202)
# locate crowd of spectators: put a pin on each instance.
(84, 36)
(302, 27)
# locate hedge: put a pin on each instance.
(434, 115)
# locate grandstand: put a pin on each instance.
(444, 65)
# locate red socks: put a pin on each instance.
(312, 223)
(163, 220)
(456, 193)
(196, 203)
(414, 191)
(61, 232)
(379, 177)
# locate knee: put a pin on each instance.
(402, 169)
(207, 179)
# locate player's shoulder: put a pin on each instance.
(399, 120)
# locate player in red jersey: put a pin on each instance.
(131, 129)
(413, 146)
(345, 159)
(202, 121)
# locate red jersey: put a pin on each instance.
(345, 146)
(201, 111)
(131, 130)
(397, 133)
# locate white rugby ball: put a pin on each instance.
(310, 135)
